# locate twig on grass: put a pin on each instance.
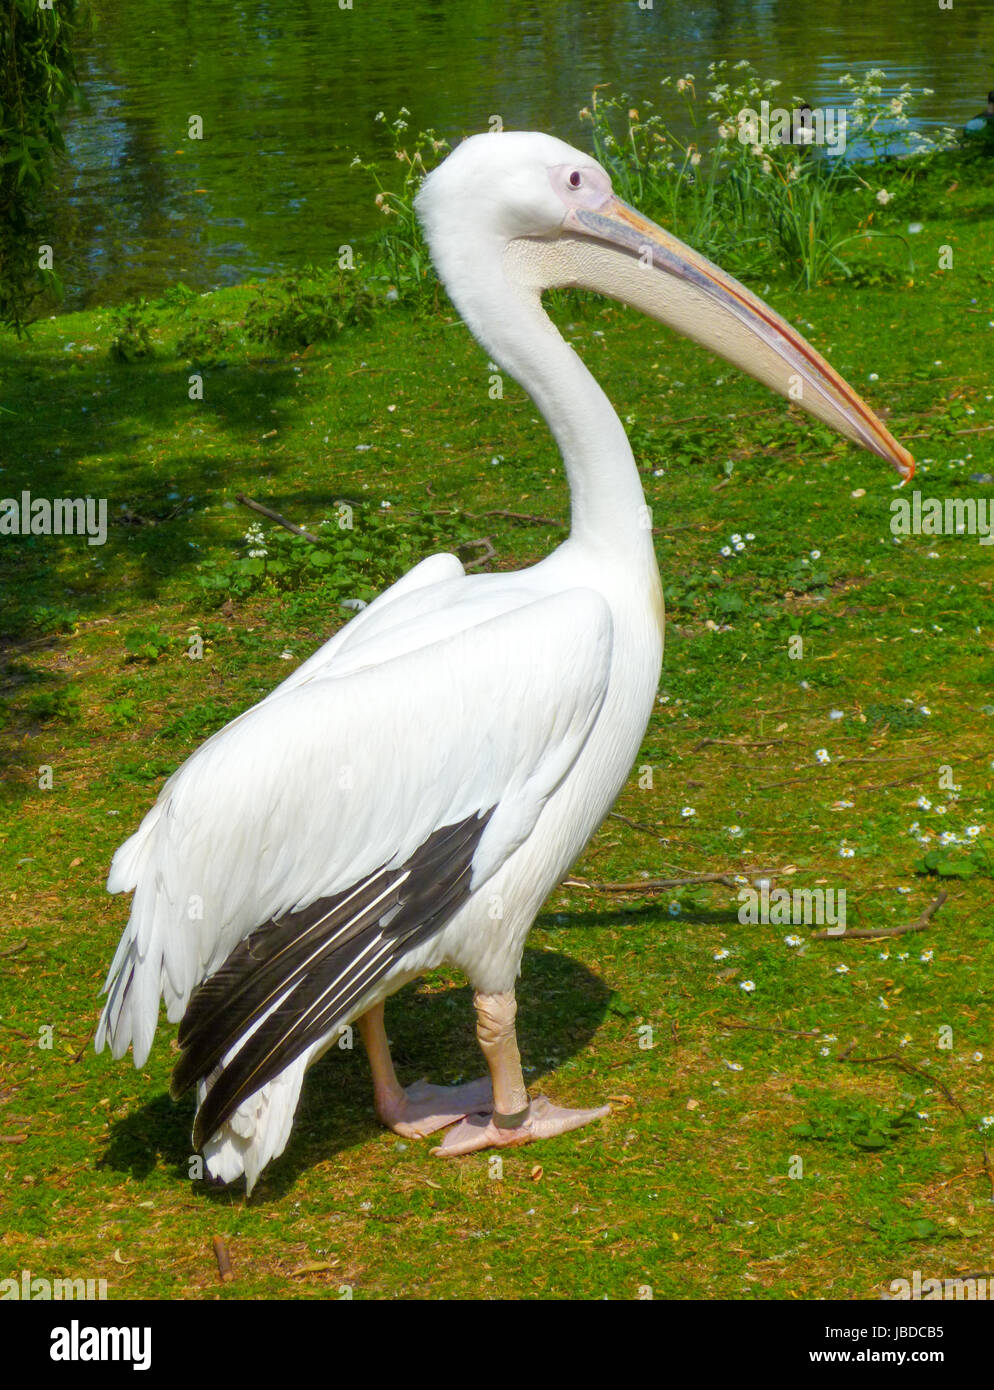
(223, 1258)
(873, 933)
(275, 516)
(489, 553)
(909, 1068)
(651, 885)
(736, 743)
(764, 1028)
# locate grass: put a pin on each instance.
(687, 1189)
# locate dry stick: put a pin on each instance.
(874, 933)
(223, 1260)
(275, 516)
(636, 825)
(86, 1043)
(13, 950)
(488, 554)
(763, 1028)
(522, 516)
(736, 743)
(910, 1069)
(641, 885)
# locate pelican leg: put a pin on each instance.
(420, 1109)
(515, 1120)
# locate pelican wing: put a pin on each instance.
(300, 852)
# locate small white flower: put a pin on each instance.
(793, 940)
(816, 554)
(822, 755)
(726, 550)
(286, 656)
(923, 804)
(687, 812)
(845, 852)
(842, 970)
(874, 376)
(733, 1066)
(972, 831)
(836, 714)
(883, 197)
(824, 1052)
(721, 954)
(926, 956)
(750, 536)
(987, 1122)
(748, 986)
(740, 545)
(977, 1057)
(736, 537)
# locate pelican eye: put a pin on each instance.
(575, 179)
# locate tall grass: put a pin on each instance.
(757, 202)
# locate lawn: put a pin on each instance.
(817, 1135)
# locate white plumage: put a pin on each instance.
(412, 793)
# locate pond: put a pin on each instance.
(288, 92)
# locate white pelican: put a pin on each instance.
(411, 794)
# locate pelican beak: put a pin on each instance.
(673, 283)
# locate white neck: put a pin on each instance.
(609, 512)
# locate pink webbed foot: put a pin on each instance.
(542, 1122)
(423, 1108)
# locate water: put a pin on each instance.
(288, 91)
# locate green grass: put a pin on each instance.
(686, 1188)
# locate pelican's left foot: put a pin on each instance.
(422, 1108)
(542, 1121)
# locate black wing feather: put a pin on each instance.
(322, 959)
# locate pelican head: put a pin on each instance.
(525, 212)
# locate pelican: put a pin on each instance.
(411, 793)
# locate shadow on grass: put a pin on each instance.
(561, 1004)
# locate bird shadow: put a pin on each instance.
(431, 1029)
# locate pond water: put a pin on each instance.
(288, 91)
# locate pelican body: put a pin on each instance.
(411, 794)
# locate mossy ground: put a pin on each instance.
(687, 1187)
